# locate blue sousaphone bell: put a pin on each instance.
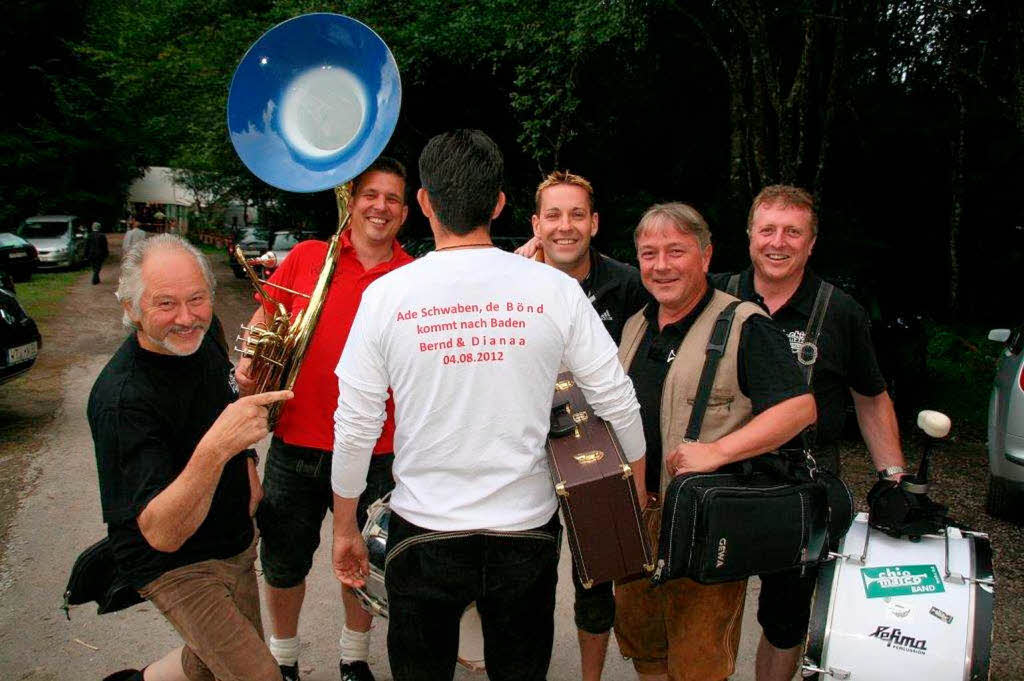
(314, 102)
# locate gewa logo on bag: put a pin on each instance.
(895, 638)
(721, 553)
(901, 580)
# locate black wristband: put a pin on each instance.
(251, 454)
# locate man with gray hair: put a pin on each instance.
(683, 630)
(178, 484)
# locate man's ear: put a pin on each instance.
(707, 259)
(593, 228)
(130, 311)
(423, 198)
(498, 206)
(535, 221)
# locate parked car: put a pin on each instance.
(253, 242)
(282, 242)
(18, 257)
(59, 239)
(19, 338)
(1006, 428)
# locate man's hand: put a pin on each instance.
(694, 457)
(350, 558)
(246, 384)
(241, 424)
(531, 249)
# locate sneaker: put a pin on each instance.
(355, 671)
(125, 675)
(289, 673)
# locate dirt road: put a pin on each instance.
(49, 511)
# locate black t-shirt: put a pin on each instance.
(767, 372)
(148, 412)
(846, 356)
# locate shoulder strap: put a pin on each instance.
(732, 286)
(716, 348)
(807, 356)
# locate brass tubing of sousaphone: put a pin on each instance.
(305, 322)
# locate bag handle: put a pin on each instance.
(715, 349)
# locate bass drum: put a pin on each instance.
(374, 596)
(912, 610)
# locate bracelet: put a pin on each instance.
(890, 472)
(251, 454)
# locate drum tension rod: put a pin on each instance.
(841, 674)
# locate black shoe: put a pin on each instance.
(125, 675)
(355, 671)
(289, 673)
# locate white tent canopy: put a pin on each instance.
(158, 186)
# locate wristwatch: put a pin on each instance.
(890, 472)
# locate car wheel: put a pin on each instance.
(999, 503)
(24, 276)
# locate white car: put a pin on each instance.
(59, 239)
(1006, 428)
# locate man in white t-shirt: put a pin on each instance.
(470, 340)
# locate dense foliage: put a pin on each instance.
(905, 117)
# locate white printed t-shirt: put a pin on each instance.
(470, 342)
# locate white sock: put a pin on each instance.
(355, 645)
(285, 650)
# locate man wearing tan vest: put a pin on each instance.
(682, 630)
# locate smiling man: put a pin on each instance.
(563, 225)
(178, 485)
(298, 471)
(830, 335)
(683, 630)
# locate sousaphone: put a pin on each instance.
(312, 104)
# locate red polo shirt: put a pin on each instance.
(307, 420)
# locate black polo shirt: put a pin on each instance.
(846, 355)
(147, 412)
(615, 290)
(767, 371)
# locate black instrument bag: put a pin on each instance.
(769, 514)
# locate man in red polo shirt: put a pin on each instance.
(297, 482)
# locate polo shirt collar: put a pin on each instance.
(801, 301)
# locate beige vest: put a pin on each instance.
(728, 408)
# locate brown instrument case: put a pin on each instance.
(596, 491)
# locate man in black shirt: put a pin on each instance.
(563, 225)
(177, 485)
(758, 401)
(837, 354)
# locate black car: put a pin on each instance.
(19, 338)
(17, 256)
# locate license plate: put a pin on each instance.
(22, 353)
(17, 255)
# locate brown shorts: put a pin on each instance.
(215, 607)
(684, 629)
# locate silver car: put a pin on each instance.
(1006, 427)
(59, 239)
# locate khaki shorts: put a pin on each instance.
(215, 607)
(684, 629)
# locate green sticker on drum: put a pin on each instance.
(901, 580)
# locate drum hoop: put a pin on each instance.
(981, 609)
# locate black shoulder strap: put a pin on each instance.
(716, 348)
(807, 355)
(732, 286)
